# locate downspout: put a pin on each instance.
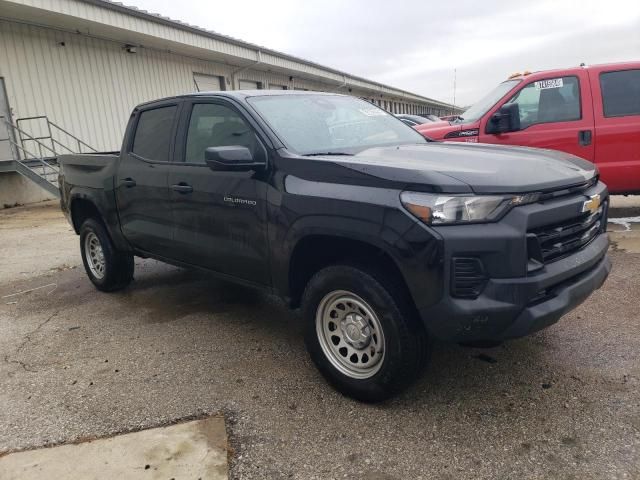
(344, 83)
(242, 69)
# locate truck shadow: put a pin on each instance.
(175, 295)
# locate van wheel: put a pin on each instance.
(108, 268)
(361, 337)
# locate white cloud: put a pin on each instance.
(415, 45)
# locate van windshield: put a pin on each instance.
(331, 124)
(476, 111)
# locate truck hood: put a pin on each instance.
(437, 131)
(480, 168)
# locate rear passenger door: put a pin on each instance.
(617, 110)
(555, 113)
(219, 217)
(142, 192)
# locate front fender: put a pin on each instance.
(415, 250)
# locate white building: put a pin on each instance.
(80, 66)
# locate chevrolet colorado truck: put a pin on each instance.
(589, 111)
(384, 239)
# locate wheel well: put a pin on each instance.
(315, 252)
(82, 209)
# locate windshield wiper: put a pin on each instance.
(318, 154)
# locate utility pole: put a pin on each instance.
(454, 91)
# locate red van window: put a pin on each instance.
(620, 93)
(549, 100)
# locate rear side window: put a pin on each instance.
(620, 93)
(153, 133)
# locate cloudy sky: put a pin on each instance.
(416, 45)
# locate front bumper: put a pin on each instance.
(515, 307)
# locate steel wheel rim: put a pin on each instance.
(350, 334)
(94, 255)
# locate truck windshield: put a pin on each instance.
(331, 124)
(476, 111)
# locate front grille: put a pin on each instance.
(561, 239)
(468, 277)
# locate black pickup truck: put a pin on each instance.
(384, 239)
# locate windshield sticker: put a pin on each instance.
(372, 112)
(551, 83)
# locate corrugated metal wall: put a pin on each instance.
(89, 86)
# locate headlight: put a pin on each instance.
(444, 209)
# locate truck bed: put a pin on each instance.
(92, 170)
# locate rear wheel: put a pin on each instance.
(107, 268)
(360, 333)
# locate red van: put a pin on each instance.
(589, 111)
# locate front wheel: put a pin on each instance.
(107, 268)
(360, 334)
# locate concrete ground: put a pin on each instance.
(195, 449)
(76, 363)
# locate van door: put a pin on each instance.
(555, 112)
(616, 95)
(142, 191)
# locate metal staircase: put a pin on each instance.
(35, 155)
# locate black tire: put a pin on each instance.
(117, 268)
(406, 347)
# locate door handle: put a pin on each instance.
(182, 187)
(129, 182)
(584, 137)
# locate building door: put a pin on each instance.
(6, 150)
(208, 83)
(248, 85)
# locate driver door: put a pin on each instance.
(219, 217)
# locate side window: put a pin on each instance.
(213, 125)
(549, 100)
(620, 93)
(153, 133)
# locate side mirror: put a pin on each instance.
(506, 119)
(231, 158)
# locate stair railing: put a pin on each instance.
(52, 129)
(12, 132)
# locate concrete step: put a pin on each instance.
(195, 449)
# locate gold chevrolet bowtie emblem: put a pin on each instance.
(592, 204)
